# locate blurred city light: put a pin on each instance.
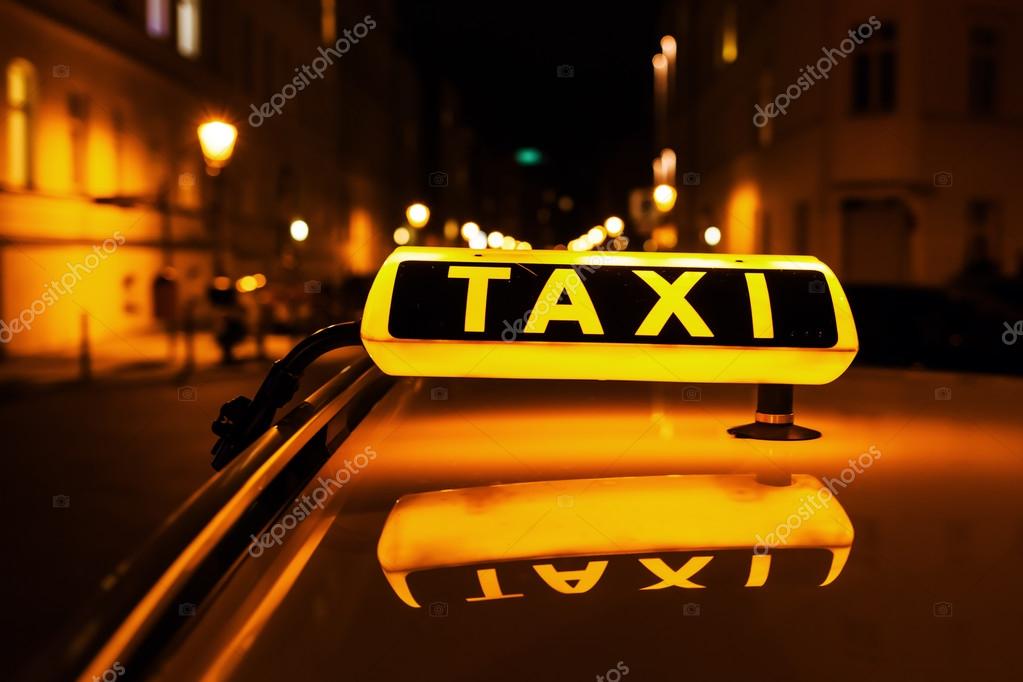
(712, 236)
(217, 140)
(402, 236)
(596, 235)
(664, 197)
(528, 156)
(668, 47)
(299, 230)
(260, 280)
(508, 243)
(495, 240)
(246, 284)
(478, 241)
(523, 246)
(221, 283)
(614, 226)
(450, 229)
(469, 229)
(566, 203)
(418, 215)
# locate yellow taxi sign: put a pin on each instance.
(645, 520)
(608, 315)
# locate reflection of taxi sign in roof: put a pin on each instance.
(612, 525)
(630, 316)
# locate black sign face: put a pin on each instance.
(612, 304)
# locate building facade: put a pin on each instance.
(882, 137)
(103, 185)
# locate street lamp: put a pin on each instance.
(614, 226)
(299, 230)
(664, 197)
(217, 140)
(712, 235)
(418, 215)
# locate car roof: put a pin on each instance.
(935, 520)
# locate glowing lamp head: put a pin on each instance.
(418, 215)
(664, 197)
(299, 230)
(712, 236)
(614, 226)
(217, 140)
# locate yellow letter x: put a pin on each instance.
(672, 301)
(679, 578)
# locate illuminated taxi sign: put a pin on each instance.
(637, 519)
(586, 315)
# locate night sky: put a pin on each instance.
(503, 60)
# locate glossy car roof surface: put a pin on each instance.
(931, 587)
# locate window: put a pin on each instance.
(874, 72)
(983, 71)
(78, 115)
(984, 231)
(21, 91)
(328, 21)
(158, 18)
(188, 28)
(729, 35)
(118, 127)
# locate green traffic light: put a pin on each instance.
(528, 156)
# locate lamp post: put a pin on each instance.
(217, 139)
